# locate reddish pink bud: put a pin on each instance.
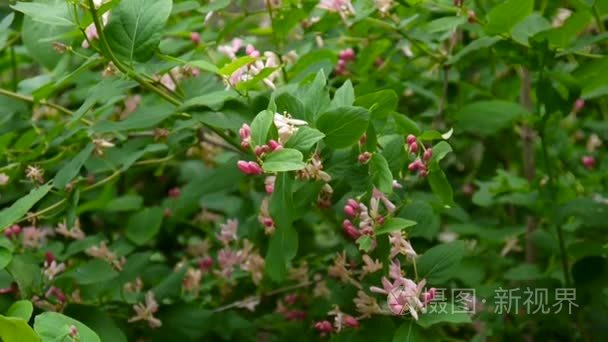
(423, 172)
(259, 150)
(350, 230)
(205, 264)
(274, 145)
(428, 154)
(380, 219)
(353, 203)
(268, 222)
(364, 157)
(174, 192)
(324, 327)
(347, 54)
(12, 231)
(245, 135)
(363, 139)
(243, 166)
(351, 321)
(295, 315)
(255, 168)
(195, 37)
(16, 229)
(411, 139)
(578, 105)
(49, 257)
(588, 161)
(415, 165)
(291, 298)
(57, 293)
(413, 147)
(269, 187)
(429, 295)
(350, 211)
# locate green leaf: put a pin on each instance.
(439, 184)
(478, 44)
(144, 117)
(283, 244)
(53, 326)
(236, 64)
(94, 271)
(38, 36)
(409, 332)
(26, 272)
(286, 102)
(125, 203)
(344, 96)
(449, 314)
(14, 329)
(436, 265)
(99, 321)
(422, 213)
(260, 126)
(304, 139)
(523, 272)
(285, 159)
(71, 169)
(214, 100)
(343, 126)
(49, 12)
(5, 256)
(405, 125)
(205, 65)
(316, 97)
(21, 309)
(529, 27)
(507, 14)
(135, 28)
(365, 243)
(381, 174)
(440, 150)
(444, 24)
(144, 225)
(488, 117)
(10, 215)
(394, 224)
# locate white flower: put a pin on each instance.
(287, 126)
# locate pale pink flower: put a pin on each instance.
(383, 6)
(34, 237)
(269, 184)
(249, 303)
(254, 264)
(192, 281)
(4, 178)
(228, 231)
(75, 233)
(231, 49)
(314, 170)
(34, 174)
(343, 7)
(227, 260)
(134, 286)
(366, 304)
(52, 269)
(287, 126)
(399, 245)
(264, 217)
(145, 311)
(370, 265)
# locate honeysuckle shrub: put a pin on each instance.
(413, 170)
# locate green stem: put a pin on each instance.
(30, 99)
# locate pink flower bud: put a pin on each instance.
(411, 139)
(423, 172)
(205, 264)
(259, 150)
(413, 147)
(350, 321)
(268, 222)
(295, 315)
(380, 219)
(251, 51)
(195, 37)
(245, 131)
(350, 230)
(588, 161)
(347, 54)
(16, 229)
(274, 145)
(255, 168)
(364, 157)
(350, 211)
(353, 203)
(415, 165)
(243, 166)
(428, 154)
(324, 327)
(49, 257)
(291, 298)
(174, 192)
(429, 296)
(578, 105)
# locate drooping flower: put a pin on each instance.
(287, 126)
(52, 269)
(370, 265)
(34, 174)
(366, 304)
(102, 252)
(399, 245)
(75, 233)
(343, 7)
(34, 237)
(231, 49)
(314, 170)
(192, 281)
(228, 231)
(145, 311)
